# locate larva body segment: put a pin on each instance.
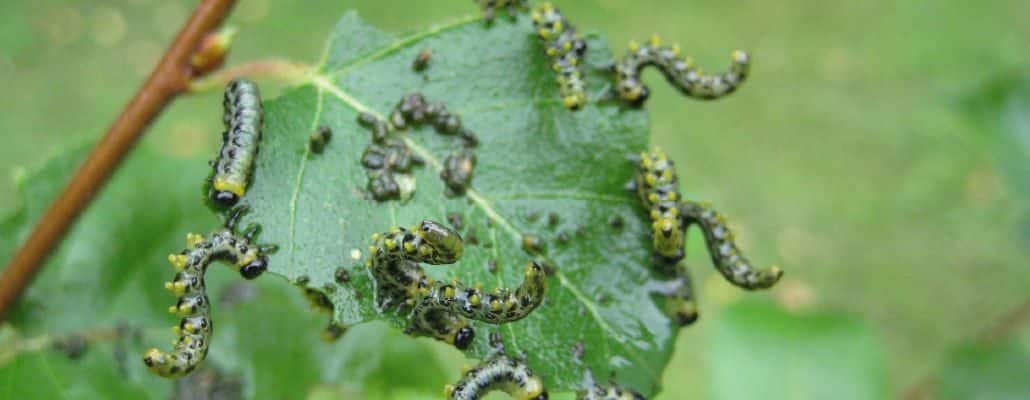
(235, 164)
(678, 71)
(726, 257)
(500, 373)
(195, 327)
(566, 49)
(658, 189)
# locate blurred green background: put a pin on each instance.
(880, 153)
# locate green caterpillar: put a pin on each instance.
(726, 257)
(566, 49)
(680, 72)
(193, 306)
(609, 393)
(498, 373)
(658, 189)
(490, 7)
(235, 164)
(437, 308)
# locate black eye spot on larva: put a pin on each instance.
(463, 339)
(616, 222)
(254, 269)
(224, 200)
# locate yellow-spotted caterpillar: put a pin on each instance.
(438, 309)
(726, 257)
(679, 71)
(502, 373)
(613, 392)
(490, 7)
(195, 328)
(565, 48)
(658, 189)
(235, 164)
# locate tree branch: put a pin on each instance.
(169, 79)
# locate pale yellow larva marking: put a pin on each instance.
(355, 254)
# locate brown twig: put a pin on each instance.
(169, 79)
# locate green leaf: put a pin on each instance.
(535, 158)
(109, 272)
(762, 352)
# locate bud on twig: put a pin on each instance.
(212, 50)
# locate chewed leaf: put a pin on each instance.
(541, 170)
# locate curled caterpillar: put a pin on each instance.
(235, 164)
(609, 393)
(566, 49)
(680, 72)
(658, 189)
(498, 373)
(726, 257)
(490, 7)
(438, 309)
(457, 171)
(193, 306)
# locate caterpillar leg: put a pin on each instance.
(726, 257)
(498, 373)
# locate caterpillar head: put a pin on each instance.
(224, 199)
(254, 268)
(464, 337)
(444, 244)
(667, 235)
